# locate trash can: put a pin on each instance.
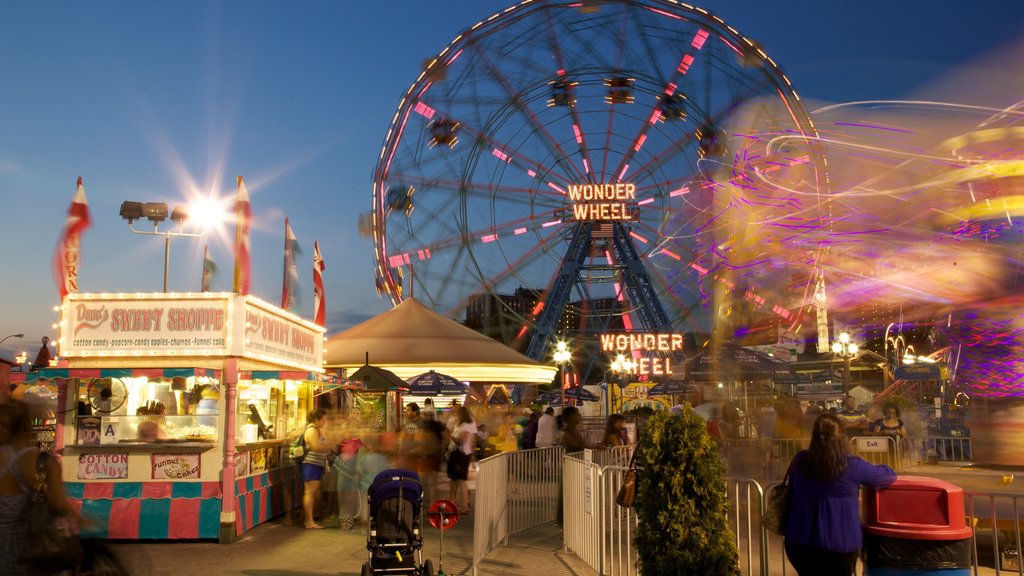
(916, 526)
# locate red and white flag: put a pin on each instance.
(319, 304)
(289, 289)
(68, 254)
(243, 218)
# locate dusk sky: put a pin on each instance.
(170, 101)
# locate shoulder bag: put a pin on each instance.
(777, 506)
(51, 543)
(297, 449)
(626, 496)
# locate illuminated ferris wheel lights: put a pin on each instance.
(562, 92)
(620, 90)
(699, 38)
(444, 131)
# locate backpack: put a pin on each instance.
(297, 449)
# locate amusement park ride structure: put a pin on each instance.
(616, 162)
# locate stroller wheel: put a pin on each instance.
(428, 568)
(366, 569)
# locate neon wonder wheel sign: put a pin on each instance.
(650, 353)
(603, 202)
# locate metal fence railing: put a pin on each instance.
(935, 449)
(601, 532)
(899, 454)
(515, 491)
(877, 450)
(996, 518)
(595, 528)
(520, 490)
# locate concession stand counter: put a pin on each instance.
(175, 408)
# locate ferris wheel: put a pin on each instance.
(616, 160)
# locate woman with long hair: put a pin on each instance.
(572, 439)
(615, 431)
(19, 454)
(823, 532)
(460, 458)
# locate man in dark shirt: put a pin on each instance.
(530, 432)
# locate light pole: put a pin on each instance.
(846, 349)
(11, 336)
(621, 366)
(156, 212)
(561, 356)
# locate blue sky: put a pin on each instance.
(156, 102)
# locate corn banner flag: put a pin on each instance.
(68, 254)
(209, 269)
(243, 218)
(319, 304)
(289, 289)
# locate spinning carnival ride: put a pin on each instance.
(566, 169)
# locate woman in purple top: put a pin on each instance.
(823, 532)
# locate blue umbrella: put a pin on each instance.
(435, 384)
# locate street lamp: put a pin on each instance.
(156, 212)
(12, 336)
(562, 355)
(622, 367)
(846, 349)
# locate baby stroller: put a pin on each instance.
(394, 535)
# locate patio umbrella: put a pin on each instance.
(732, 362)
(435, 384)
(378, 379)
(577, 393)
(670, 387)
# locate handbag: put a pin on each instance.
(297, 449)
(777, 506)
(51, 544)
(626, 496)
(627, 492)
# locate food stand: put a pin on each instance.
(175, 409)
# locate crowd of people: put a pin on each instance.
(822, 533)
(786, 417)
(344, 454)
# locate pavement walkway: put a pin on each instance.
(283, 548)
(280, 548)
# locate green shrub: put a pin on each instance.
(682, 502)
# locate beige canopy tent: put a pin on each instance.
(411, 339)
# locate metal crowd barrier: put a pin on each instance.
(996, 518)
(515, 491)
(519, 490)
(934, 449)
(877, 450)
(596, 529)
